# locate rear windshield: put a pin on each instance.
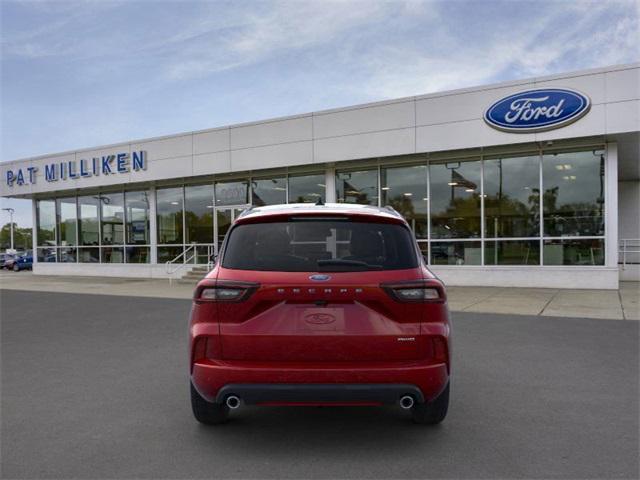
(320, 245)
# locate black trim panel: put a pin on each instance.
(253, 393)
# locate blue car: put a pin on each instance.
(23, 262)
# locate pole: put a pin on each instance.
(10, 210)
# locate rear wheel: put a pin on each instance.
(207, 412)
(16, 268)
(431, 413)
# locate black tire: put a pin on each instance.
(207, 412)
(434, 412)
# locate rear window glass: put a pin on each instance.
(319, 245)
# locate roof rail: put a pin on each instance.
(392, 210)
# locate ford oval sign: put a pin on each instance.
(319, 278)
(537, 110)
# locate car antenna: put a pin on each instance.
(319, 202)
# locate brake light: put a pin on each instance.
(415, 292)
(224, 291)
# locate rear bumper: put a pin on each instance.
(331, 393)
(318, 383)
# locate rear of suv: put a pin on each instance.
(320, 305)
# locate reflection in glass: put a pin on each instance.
(405, 189)
(573, 198)
(512, 252)
(169, 207)
(47, 254)
(46, 217)
(574, 252)
(88, 221)
(67, 255)
(168, 253)
(112, 255)
(198, 213)
(112, 205)
(357, 187)
(512, 197)
(306, 188)
(268, 191)
(455, 200)
(137, 218)
(67, 221)
(231, 193)
(456, 253)
(137, 254)
(89, 255)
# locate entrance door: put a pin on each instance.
(223, 220)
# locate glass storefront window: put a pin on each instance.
(456, 253)
(137, 218)
(67, 255)
(166, 254)
(89, 255)
(405, 189)
(88, 226)
(47, 254)
(357, 187)
(169, 208)
(231, 193)
(268, 191)
(455, 199)
(198, 213)
(573, 198)
(67, 220)
(112, 254)
(512, 197)
(512, 252)
(574, 252)
(112, 218)
(137, 254)
(46, 217)
(306, 188)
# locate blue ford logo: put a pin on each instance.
(319, 278)
(537, 110)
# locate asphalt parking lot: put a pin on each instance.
(96, 387)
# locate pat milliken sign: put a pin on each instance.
(115, 164)
(537, 110)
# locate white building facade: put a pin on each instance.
(531, 183)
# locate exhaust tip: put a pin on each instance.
(233, 402)
(406, 402)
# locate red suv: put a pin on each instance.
(320, 305)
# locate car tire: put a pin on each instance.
(16, 268)
(434, 412)
(207, 412)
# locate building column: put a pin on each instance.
(153, 228)
(611, 205)
(34, 230)
(330, 184)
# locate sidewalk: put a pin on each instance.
(623, 304)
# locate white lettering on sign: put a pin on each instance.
(524, 109)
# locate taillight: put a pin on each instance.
(205, 347)
(224, 291)
(415, 292)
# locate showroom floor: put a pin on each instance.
(622, 304)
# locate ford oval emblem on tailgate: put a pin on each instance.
(320, 318)
(319, 278)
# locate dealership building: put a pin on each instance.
(529, 183)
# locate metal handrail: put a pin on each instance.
(628, 245)
(185, 261)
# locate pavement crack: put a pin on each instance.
(550, 300)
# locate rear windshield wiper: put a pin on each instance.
(347, 263)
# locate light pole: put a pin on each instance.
(11, 212)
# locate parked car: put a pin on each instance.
(7, 262)
(23, 262)
(320, 305)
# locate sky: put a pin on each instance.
(87, 73)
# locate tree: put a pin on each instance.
(21, 237)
